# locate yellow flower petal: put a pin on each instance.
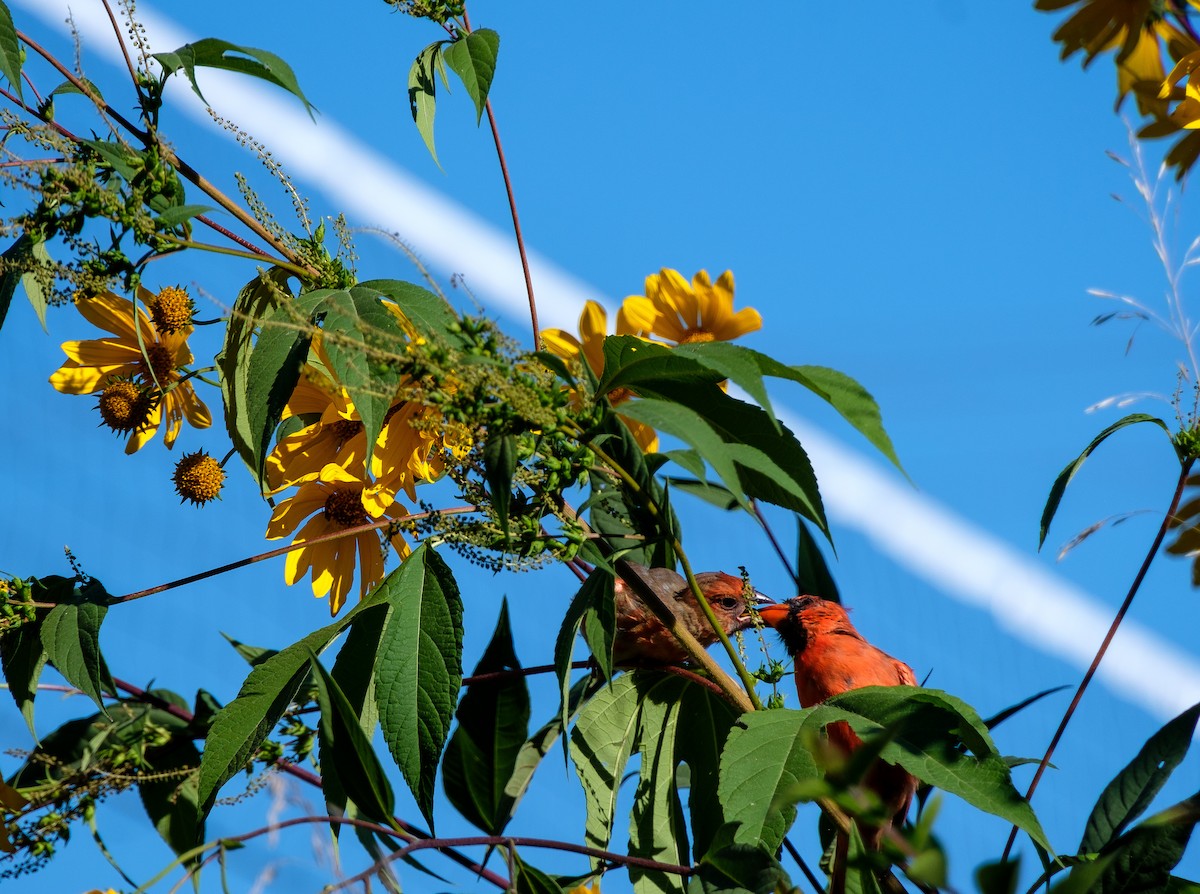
(636, 316)
(560, 343)
(288, 514)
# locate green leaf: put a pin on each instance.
(718, 496)
(998, 878)
(630, 362)
(428, 313)
(599, 586)
(272, 374)
(499, 464)
(860, 870)
(670, 721)
(1064, 477)
(15, 257)
(693, 429)
(422, 92)
(493, 722)
(211, 52)
(418, 672)
(34, 289)
(1131, 791)
(346, 750)
(1141, 860)
(602, 739)
(849, 398)
(998, 718)
(530, 754)
(180, 214)
(22, 657)
(170, 801)
(71, 637)
(259, 297)
(756, 436)
(929, 731)
(361, 338)
(10, 51)
(1177, 885)
(473, 58)
(252, 655)
(66, 88)
(599, 625)
(657, 829)
(763, 758)
(243, 725)
(729, 866)
(354, 672)
(813, 576)
(705, 723)
(531, 880)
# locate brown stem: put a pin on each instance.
(502, 841)
(229, 234)
(512, 206)
(1184, 469)
(271, 554)
(186, 170)
(121, 43)
(83, 87)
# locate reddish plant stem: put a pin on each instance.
(311, 778)
(271, 554)
(502, 841)
(229, 234)
(583, 665)
(1184, 469)
(124, 50)
(87, 91)
(512, 207)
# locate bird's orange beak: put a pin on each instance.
(773, 614)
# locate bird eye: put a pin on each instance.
(729, 602)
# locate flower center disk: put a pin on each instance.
(345, 507)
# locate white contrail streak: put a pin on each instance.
(928, 539)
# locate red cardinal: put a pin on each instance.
(831, 658)
(641, 636)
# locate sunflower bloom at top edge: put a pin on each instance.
(680, 312)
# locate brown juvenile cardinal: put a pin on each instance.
(831, 658)
(641, 636)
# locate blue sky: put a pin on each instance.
(919, 199)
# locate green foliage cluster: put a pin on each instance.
(718, 778)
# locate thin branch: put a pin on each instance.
(283, 550)
(311, 778)
(512, 206)
(124, 50)
(83, 87)
(1184, 469)
(762, 520)
(502, 841)
(808, 873)
(229, 234)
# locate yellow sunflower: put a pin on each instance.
(335, 495)
(681, 312)
(96, 365)
(336, 437)
(589, 348)
(412, 448)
